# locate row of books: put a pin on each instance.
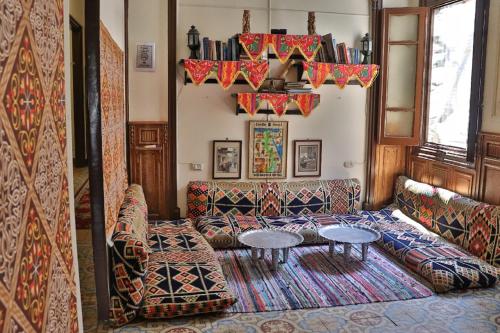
(337, 53)
(231, 50)
(218, 50)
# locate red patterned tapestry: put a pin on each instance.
(37, 264)
(318, 72)
(279, 103)
(283, 45)
(112, 128)
(226, 72)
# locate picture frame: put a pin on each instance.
(226, 162)
(267, 149)
(145, 58)
(307, 158)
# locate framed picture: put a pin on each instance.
(145, 58)
(267, 149)
(307, 158)
(227, 159)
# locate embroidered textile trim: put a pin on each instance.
(318, 72)
(279, 103)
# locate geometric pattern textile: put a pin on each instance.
(445, 265)
(279, 103)
(226, 72)
(183, 276)
(222, 231)
(129, 257)
(161, 269)
(318, 72)
(37, 264)
(112, 127)
(209, 198)
(283, 45)
(472, 225)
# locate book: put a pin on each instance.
(217, 50)
(327, 42)
(206, 44)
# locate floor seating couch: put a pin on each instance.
(164, 269)
(451, 241)
(161, 269)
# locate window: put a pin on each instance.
(455, 75)
(451, 70)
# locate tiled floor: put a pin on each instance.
(471, 311)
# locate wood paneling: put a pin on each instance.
(454, 178)
(390, 163)
(148, 164)
(489, 184)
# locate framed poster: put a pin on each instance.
(307, 158)
(226, 159)
(145, 58)
(267, 149)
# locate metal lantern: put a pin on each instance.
(366, 48)
(193, 42)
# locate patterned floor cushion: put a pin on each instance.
(223, 231)
(444, 265)
(183, 276)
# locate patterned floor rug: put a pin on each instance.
(82, 207)
(313, 279)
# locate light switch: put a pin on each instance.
(197, 166)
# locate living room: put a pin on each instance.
(250, 166)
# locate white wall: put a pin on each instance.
(148, 90)
(491, 111)
(113, 17)
(207, 113)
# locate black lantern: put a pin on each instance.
(193, 42)
(366, 48)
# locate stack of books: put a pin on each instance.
(332, 52)
(296, 87)
(218, 50)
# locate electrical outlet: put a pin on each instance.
(197, 166)
(348, 164)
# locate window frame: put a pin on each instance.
(445, 153)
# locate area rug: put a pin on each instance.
(313, 279)
(83, 216)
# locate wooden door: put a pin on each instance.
(148, 164)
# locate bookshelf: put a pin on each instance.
(256, 50)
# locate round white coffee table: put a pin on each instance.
(274, 240)
(349, 235)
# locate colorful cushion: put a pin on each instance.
(223, 231)
(273, 199)
(445, 266)
(129, 257)
(133, 215)
(472, 225)
(183, 276)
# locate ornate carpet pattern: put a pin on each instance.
(83, 216)
(37, 264)
(312, 279)
(112, 128)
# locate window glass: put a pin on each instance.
(450, 77)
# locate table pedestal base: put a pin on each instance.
(275, 254)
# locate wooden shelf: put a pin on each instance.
(269, 111)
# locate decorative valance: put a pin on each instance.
(279, 103)
(318, 72)
(226, 72)
(284, 45)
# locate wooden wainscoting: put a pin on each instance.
(454, 178)
(489, 168)
(148, 164)
(390, 163)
